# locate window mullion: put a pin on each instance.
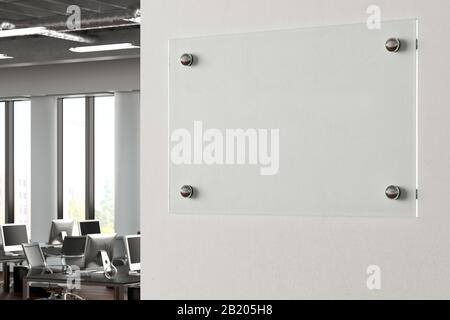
(90, 160)
(60, 158)
(9, 162)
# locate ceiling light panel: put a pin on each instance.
(106, 47)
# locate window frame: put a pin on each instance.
(89, 154)
(9, 162)
(9, 159)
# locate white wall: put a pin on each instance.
(127, 163)
(43, 167)
(214, 256)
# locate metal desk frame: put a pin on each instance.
(6, 261)
(119, 288)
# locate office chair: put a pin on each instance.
(119, 253)
(72, 252)
(36, 260)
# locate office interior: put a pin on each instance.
(69, 149)
(54, 92)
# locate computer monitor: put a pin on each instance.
(13, 236)
(95, 243)
(89, 227)
(133, 248)
(59, 230)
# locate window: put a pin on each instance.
(2, 163)
(15, 162)
(74, 125)
(86, 166)
(22, 161)
(104, 162)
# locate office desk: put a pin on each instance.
(6, 260)
(122, 281)
(48, 250)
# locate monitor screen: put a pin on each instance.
(89, 227)
(134, 246)
(14, 235)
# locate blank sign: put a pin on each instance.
(314, 121)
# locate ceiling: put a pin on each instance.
(29, 11)
(103, 21)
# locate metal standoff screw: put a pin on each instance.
(392, 44)
(393, 192)
(187, 59)
(186, 191)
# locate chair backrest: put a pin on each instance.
(73, 246)
(120, 253)
(34, 255)
(119, 248)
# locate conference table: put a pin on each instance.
(119, 283)
(19, 257)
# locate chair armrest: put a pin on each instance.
(74, 256)
(64, 268)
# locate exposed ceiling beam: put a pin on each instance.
(53, 8)
(120, 4)
(111, 19)
(87, 5)
(15, 7)
(14, 14)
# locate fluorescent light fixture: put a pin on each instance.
(65, 36)
(105, 47)
(135, 20)
(5, 56)
(136, 17)
(42, 31)
(21, 32)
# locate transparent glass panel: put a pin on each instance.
(74, 126)
(22, 162)
(2, 162)
(104, 162)
(327, 118)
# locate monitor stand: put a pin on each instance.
(105, 260)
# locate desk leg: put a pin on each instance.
(25, 290)
(119, 293)
(6, 276)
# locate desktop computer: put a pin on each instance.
(133, 249)
(89, 227)
(98, 247)
(59, 230)
(13, 236)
